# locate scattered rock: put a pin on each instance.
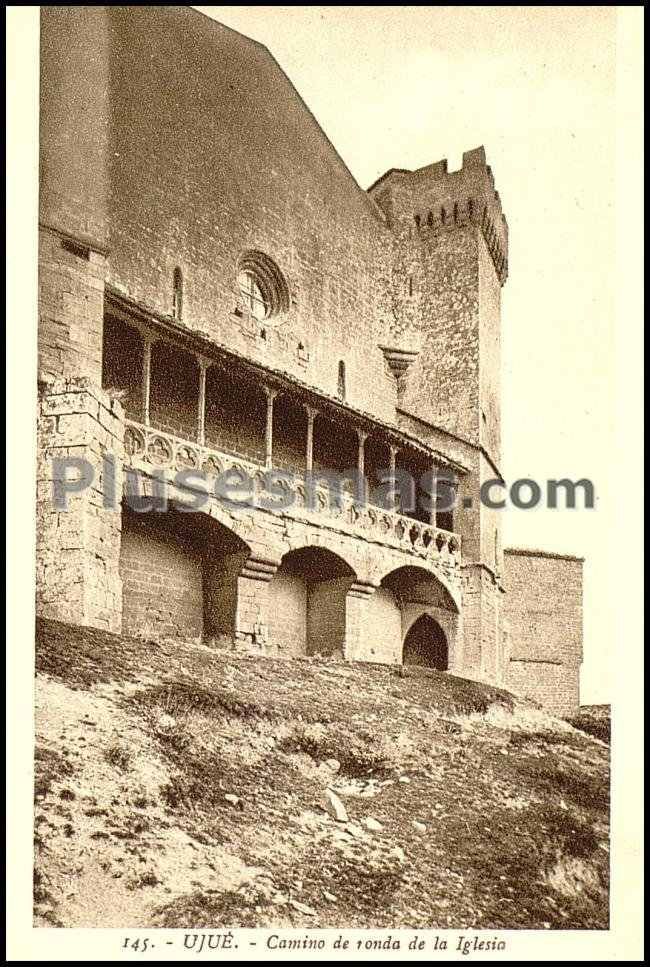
(233, 800)
(342, 835)
(165, 722)
(303, 908)
(330, 897)
(373, 824)
(332, 764)
(334, 806)
(404, 779)
(355, 830)
(398, 852)
(421, 828)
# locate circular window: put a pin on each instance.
(263, 291)
(252, 295)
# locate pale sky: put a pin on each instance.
(406, 86)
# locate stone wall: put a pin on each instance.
(214, 155)
(555, 685)
(77, 577)
(543, 609)
(162, 580)
(383, 636)
(74, 122)
(287, 614)
(326, 616)
(70, 309)
(171, 149)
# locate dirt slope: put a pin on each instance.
(176, 786)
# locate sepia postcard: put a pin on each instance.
(325, 483)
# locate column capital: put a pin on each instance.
(312, 411)
(259, 569)
(270, 392)
(204, 362)
(362, 589)
(362, 434)
(149, 337)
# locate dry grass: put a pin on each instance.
(217, 817)
(594, 720)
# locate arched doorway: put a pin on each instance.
(411, 599)
(426, 644)
(307, 602)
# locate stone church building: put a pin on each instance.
(219, 297)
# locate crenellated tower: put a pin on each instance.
(450, 262)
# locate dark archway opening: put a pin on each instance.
(426, 644)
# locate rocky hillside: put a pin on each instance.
(180, 787)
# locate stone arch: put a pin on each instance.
(307, 601)
(418, 584)
(423, 575)
(404, 595)
(425, 643)
(340, 546)
(143, 491)
(179, 574)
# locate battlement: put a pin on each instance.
(433, 199)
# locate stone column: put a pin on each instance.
(361, 466)
(393, 451)
(203, 369)
(309, 455)
(146, 378)
(251, 621)
(357, 633)
(268, 437)
(434, 494)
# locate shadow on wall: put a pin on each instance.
(179, 575)
(307, 603)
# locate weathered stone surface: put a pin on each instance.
(411, 269)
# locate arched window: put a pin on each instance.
(341, 380)
(178, 294)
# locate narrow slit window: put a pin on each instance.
(341, 381)
(178, 294)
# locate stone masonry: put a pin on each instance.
(220, 299)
